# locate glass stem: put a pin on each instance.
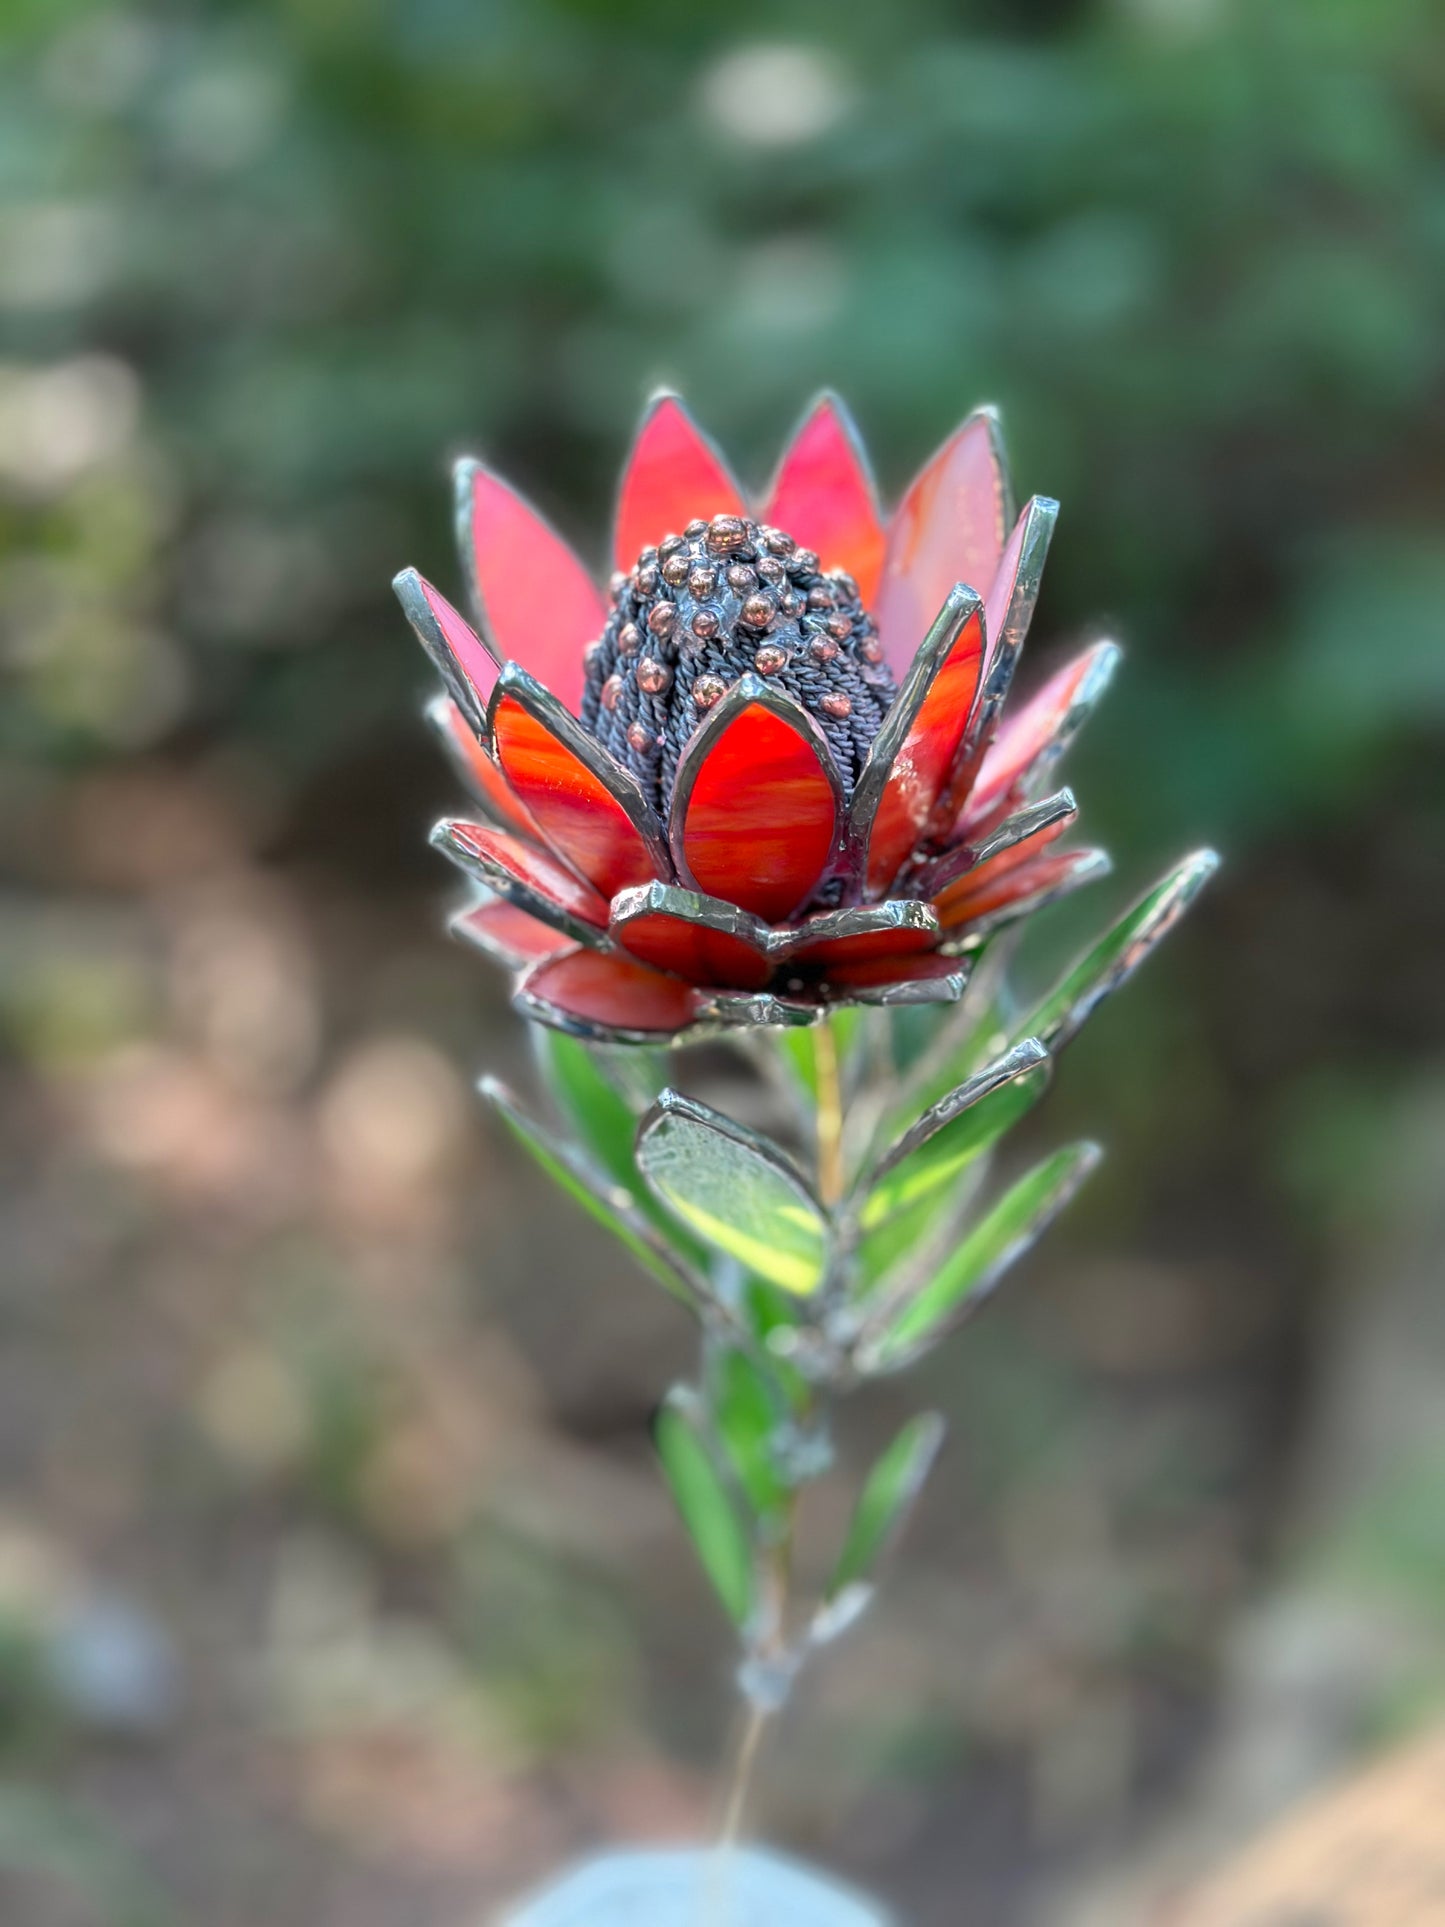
(830, 1113)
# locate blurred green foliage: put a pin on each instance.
(266, 264)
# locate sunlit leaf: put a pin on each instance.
(957, 1129)
(1116, 957)
(708, 1508)
(884, 1504)
(735, 1189)
(898, 1332)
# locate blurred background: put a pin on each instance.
(336, 1586)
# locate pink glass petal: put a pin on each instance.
(537, 601)
(673, 475)
(546, 887)
(1028, 735)
(760, 816)
(693, 950)
(482, 775)
(465, 663)
(949, 527)
(507, 934)
(600, 994)
(921, 766)
(577, 813)
(823, 495)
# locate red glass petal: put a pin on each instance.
(462, 659)
(595, 823)
(1014, 883)
(479, 771)
(660, 930)
(509, 935)
(525, 876)
(950, 527)
(602, 996)
(1028, 737)
(981, 879)
(940, 690)
(673, 474)
(536, 600)
(755, 811)
(897, 929)
(823, 494)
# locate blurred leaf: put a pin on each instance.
(1116, 957)
(887, 1498)
(42, 1834)
(953, 1132)
(610, 1205)
(590, 1101)
(899, 1331)
(736, 1189)
(701, 1494)
(749, 1416)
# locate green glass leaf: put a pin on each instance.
(749, 1414)
(899, 1331)
(612, 1206)
(736, 1189)
(956, 1130)
(700, 1492)
(591, 1102)
(887, 1498)
(1116, 957)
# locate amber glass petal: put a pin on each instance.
(608, 999)
(508, 935)
(756, 808)
(527, 877)
(587, 805)
(673, 474)
(478, 771)
(464, 662)
(534, 598)
(895, 929)
(1029, 745)
(823, 494)
(950, 527)
(1017, 888)
(915, 749)
(692, 936)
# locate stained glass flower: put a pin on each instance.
(765, 771)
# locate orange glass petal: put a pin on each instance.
(1009, 879)
(922, 765)
(574, 809)
(613, 992)
(950, 527)
(759, 824)
(540, 605)
(673, 475)
(823, 495)
(693, 950)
